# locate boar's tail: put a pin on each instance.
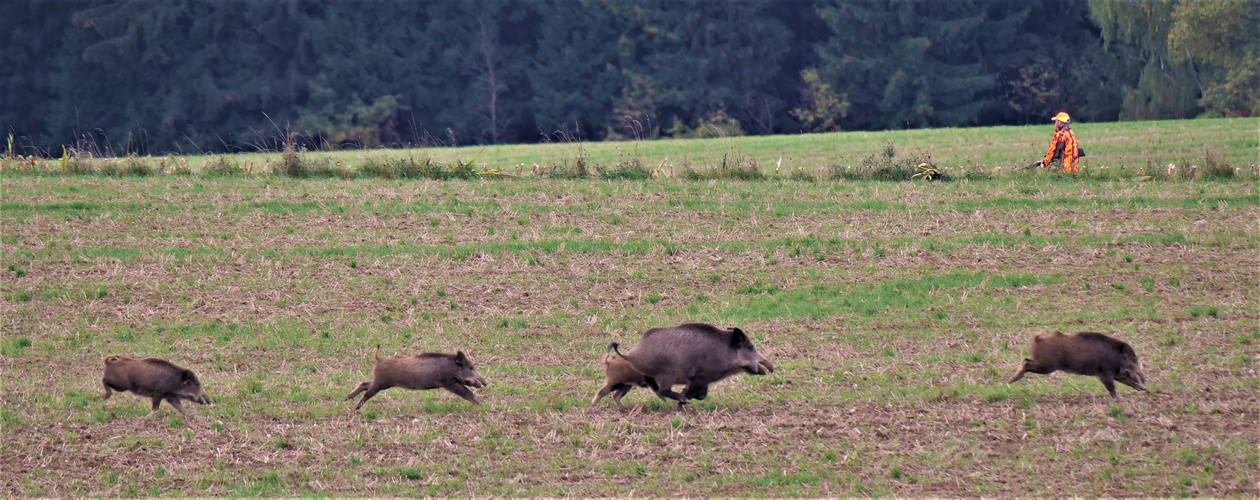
(378, 352)
(614, 347)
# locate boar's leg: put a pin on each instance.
(617, 390)
(362, 387)
(462, 392)
(108, 391)
(663, 384)
(174, 401)
(156, 402)
(604, 392)
(371, 391)
(696, 390)
(1029, 365)
(1108, 381)
(621, 393)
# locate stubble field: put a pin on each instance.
(894, 312)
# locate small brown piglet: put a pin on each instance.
(1085, 353)
(431, 370)
(155, 378)
(620, 377)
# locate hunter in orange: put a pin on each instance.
(1063, 146)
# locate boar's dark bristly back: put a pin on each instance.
(695, 354)
(158, 379)
(183, 372)
(1085, 353)
(430, 370)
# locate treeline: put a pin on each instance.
(155, 76)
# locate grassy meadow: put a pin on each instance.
(1131, 145)
(894, 312)
(1114, 150)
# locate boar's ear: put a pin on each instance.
(739, 339)
(187, 376)
(461, 358)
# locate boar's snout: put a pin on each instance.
(476, 381)
(190, 389)
(1133, 378)
(470, 377)
(197, 396)
(759, 366)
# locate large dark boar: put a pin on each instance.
(1086, 353)
(155, 378)
(695, 354)
(619, 377)
(431, 370)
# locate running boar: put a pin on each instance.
(155, 378)
(620, 378)
(430, 370)
(1086, 353)
(695, 354)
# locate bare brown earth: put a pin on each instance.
(894, 311)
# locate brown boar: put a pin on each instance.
(695, 354)
(430, 370)
(155, 378)
(1085, 353)
(620, 378)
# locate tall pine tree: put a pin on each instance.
(911, 64)
(705, 58)
(576, 74)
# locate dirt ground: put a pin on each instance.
(895, 313)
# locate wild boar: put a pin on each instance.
(1086, 353)
(430, 370)
(695, 354)
(620, 378)
(155, 378)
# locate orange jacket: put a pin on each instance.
(1064, 145)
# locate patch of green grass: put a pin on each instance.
(512, 323)
(1211, 311)
(10, 420)
(19, 297)
(16, 346)
(780, 478)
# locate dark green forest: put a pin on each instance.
(158, 76)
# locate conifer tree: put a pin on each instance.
(913, 64)
(576, 75)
